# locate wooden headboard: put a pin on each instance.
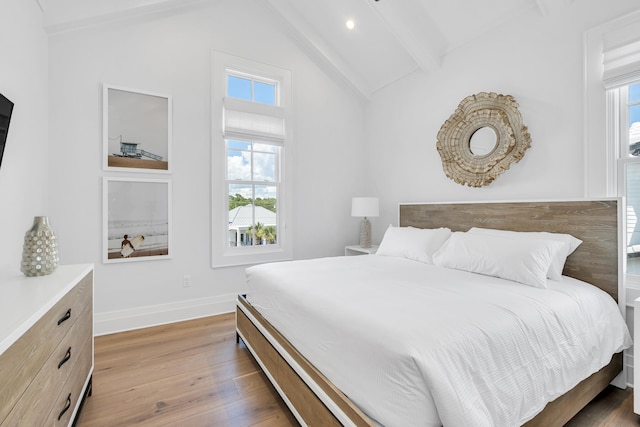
(595, 222)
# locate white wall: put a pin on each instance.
(24, 170)
(170, 53)
(537, 59)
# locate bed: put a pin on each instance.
(325, 369)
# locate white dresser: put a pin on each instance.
(46, 346)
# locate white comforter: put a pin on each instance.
(417, 345)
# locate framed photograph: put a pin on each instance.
(137, 219)
(136, 130)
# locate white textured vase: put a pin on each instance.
(40, 250)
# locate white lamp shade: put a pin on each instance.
(364, 206)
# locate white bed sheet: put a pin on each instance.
(417, 345)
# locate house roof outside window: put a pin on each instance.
(242, 216)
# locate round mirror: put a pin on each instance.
(482, 138)
(483, 141)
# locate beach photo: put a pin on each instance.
(137, 217)
(136, 130)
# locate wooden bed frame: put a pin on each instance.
(315, 401)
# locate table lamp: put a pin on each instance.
(365, 207)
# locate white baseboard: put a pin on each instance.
(144, 317)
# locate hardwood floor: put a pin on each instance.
(194, 374)
(185, 374)
(611, 408)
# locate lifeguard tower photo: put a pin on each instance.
(138, 130)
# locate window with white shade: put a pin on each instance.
(612, 74)
(624, 118)
(251, 145)
(621, 83)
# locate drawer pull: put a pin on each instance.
(67, 356)
(66, 407)
(64, 318)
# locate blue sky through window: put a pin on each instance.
(265, 93)
(634, 96)
(634, 92)
(251, 90)
(239, 88)
(238, 145)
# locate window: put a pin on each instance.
(626, 111)
(250, 88)
(251, 147)
(612, 167)
(612, 158)
(252, 184)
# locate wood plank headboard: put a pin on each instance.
(595, 222)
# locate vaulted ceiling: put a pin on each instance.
(392, 38)
(389, 39)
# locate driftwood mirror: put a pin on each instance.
(482, 138)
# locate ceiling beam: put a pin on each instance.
(42, 4)
(547, 7)
(318, 50)
(412, 26)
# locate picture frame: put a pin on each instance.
(136, 131)
(136, 219)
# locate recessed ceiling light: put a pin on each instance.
(350, 24)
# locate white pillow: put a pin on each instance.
(557, 264)
(418, 244)
(519, 260)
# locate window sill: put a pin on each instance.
(249, 256)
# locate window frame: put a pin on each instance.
(606, 67)
(254, 78)
(618, 136)
(252, 181)
(222, 254)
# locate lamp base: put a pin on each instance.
(365, 233)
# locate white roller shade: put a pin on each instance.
(251, 119)
(621, 56)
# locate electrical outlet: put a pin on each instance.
(186, 281)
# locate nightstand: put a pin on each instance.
(359, 250)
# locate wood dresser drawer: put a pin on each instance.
(71, 393)
(23, 360)
(43, 395)
(45, 369)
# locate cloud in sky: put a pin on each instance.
(264, 170)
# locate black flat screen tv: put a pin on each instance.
(6, 108)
